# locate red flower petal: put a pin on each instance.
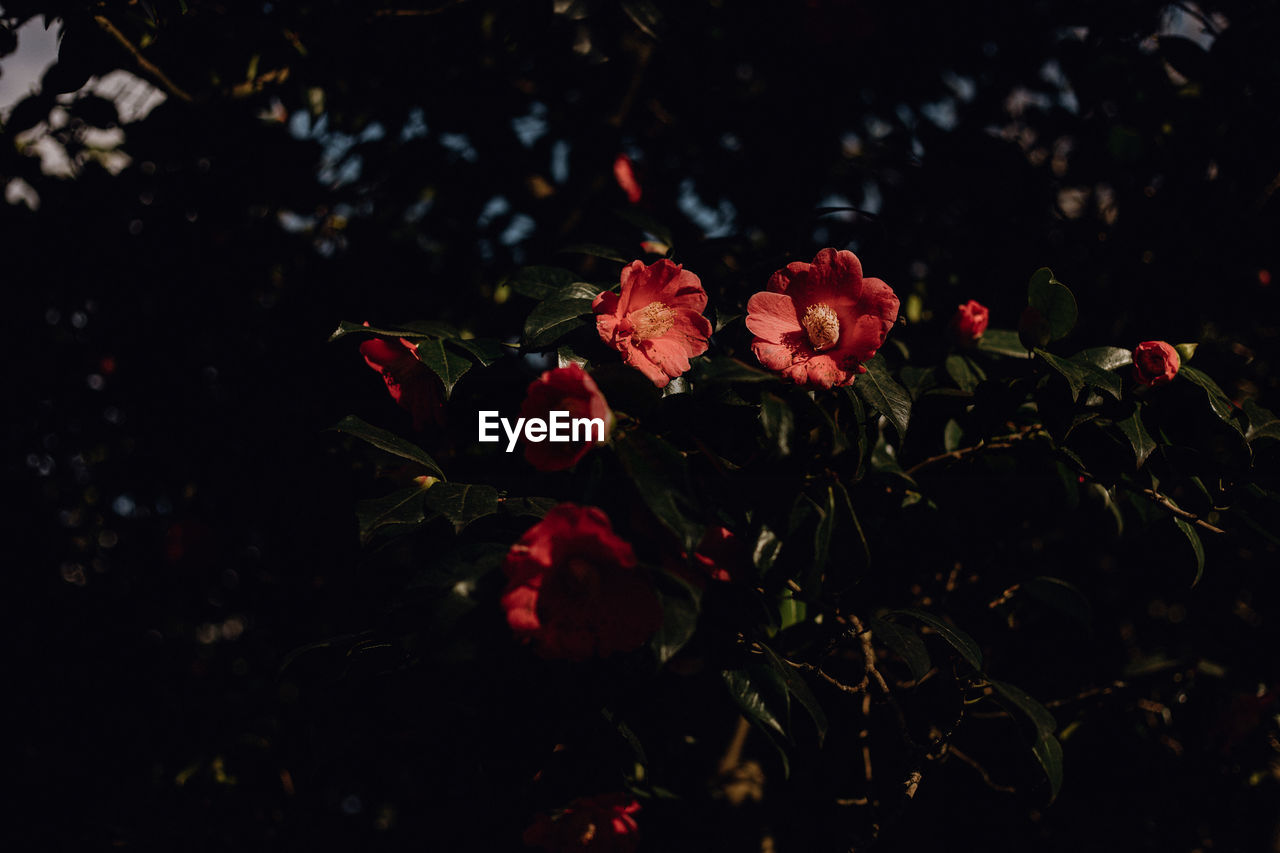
(772, 316)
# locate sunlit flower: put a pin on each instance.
(574, 589)
(624, 173)
(656, 321)
(817, 323)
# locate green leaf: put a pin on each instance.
(537, 507)
(1197, 547)
(1003, 342)
(443, 362)
(484, 350)
(645, 222)
(797, 687)
(661, 476)
(1054, 302)
(462, 503)
(465, 564)
(720, 369)
(540, 282)
(758, 692)
(1186, 352)
(1061, 595)
(1218, 400)
(951, 435)
(964, 371)
(1143, 444)
(1073, 373)
(402, 508)
(1263, 423)
(779, 423)
(1039, 715)
(388, 441)
(1102, 380)
(766, 550)
(880, 391)
(791, 610)
(954, 637)
(821, 540)
(680, 606)
(595, 250)
(1104, 358)
(906, 644)
(556, 317)
(1048, 751)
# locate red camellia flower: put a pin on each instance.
(602, 824)
(625, 175)
(817, 323)
(574, 589)
(411, 383)
(969, 322)
(565, 389)
(720, 556)
(656, 322)
(1155, 363)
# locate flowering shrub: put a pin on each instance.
(753, 536)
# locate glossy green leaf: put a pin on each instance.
(537, 507)
(388, 441)
(1139, 439)
(680, 606)
(1003, 342)
(462, 503)
(953, 636)
(540, 282)
(906, 644)
(1104, 358)
(765, 553)
(951, 435)
(401, 509)
(760, 694)
(1197, 547)
(964, 371)
(1039, 715)
(1186, 352)
(443, 362)
(791, 610)
(798, 689)
(1048, 751)
(552, 319)
(1054, 302)
(1069, 371)
(720, 369)
(883, 393)
(1218, 400)
(1263, 423)
(486, 351)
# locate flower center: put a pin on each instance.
(822, 325)
(652, 321)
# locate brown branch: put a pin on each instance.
(416, 13)
(143, 63)
(999, 443)
(986, 777)
(1180, 512)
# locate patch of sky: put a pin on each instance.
(560, 161)
(460, 144)
(518, 230)
(493, 208)
(942, 113)
(415, 126)
(532, 127)
(1051, 72)
(963, 87)
(715, 221)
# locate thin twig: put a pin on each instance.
(1179, 511)
(986, 777)
(416, 13)
(143, 63)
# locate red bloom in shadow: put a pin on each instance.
(574, 590)
(410, 382)
(817, 323)
(1155, 363)
(969, 322)
(656, 321)
(625, 175)
(720, 556)
(603, 824)
(565, 389)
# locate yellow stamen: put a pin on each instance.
(652, 321)
(822, 325)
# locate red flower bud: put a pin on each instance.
(410, 382)
(1155, 363)
(969, 322)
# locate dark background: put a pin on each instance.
(179, 520)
